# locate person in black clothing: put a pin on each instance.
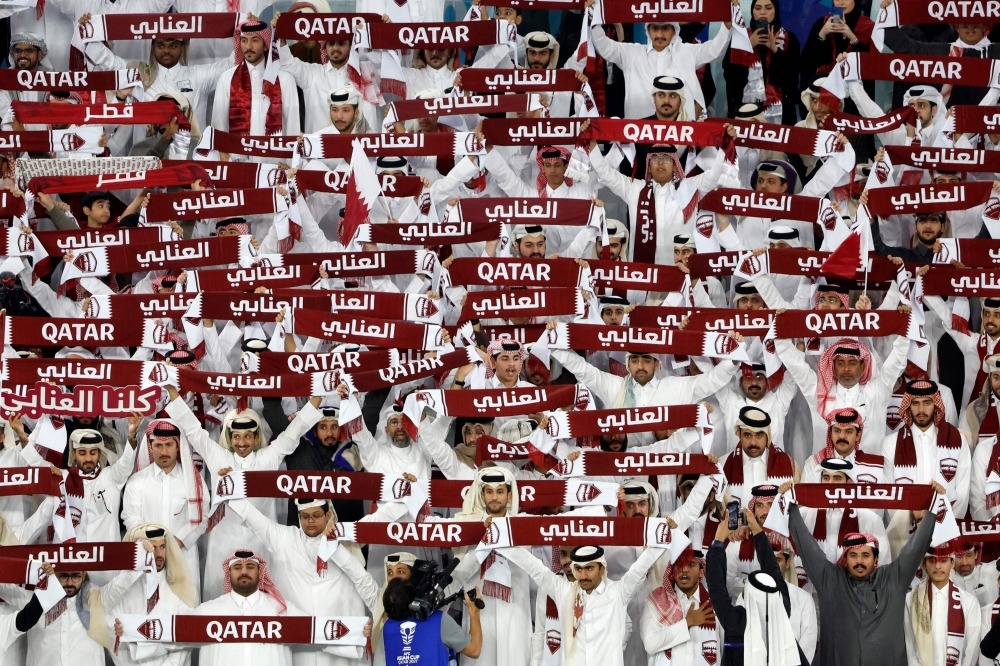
(990, 645)
(734, 618)
(775, 66)
(321, 450)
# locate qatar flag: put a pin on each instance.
(362, 190)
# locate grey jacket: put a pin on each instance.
(861, 620)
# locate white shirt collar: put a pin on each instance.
(246, 602)
(175, 472)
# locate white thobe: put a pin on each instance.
(684, 642)
(982, 582)
(196, 82)
(939, 627)
(134, 603)
(601, 633)
(101, 495)
(775, 403)
(929, 467)
(151, 496)
(293, 568)
(317, 81)
(259, 102)
(257, 604)
(11, 643)
(230, 530)
(641, 63)
(65, 642)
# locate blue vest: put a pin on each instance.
(412, 643)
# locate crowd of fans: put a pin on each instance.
(671, 342)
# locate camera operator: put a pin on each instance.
(407, 639)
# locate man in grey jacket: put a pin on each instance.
(861, 605)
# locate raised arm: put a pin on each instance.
(363, 582)
(431, 437)
(635, 577)
(814, 560)
(215, 455)
(282, 445)
(549, 582)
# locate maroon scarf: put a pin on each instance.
(948, 281)
(635, 275)
(905, 457)
(498, 272)
(875, 496)
(737, 202)
(28, 481)
(26, 81)
(597, 422)
(429, 233)
(336, 182)
(182, 175)
(173, 206)
(92, 556)
(747, 322)
(507, 303)
(138, 113)
(664, 11)
(539, 210)
(641, 463)
(483, 81)
(439, 35)
(113, 27)
(240, 103)
(779, 465)
(785, 262)
(109, 401)
(278, 147)
(531, 132)
(362, 330)
(842, 323)
(945, 159)
(357, 361)
(852, 125)
(972, 119)
(236, 175)
(589, 337)
(320, 27)
(674, 133)
(909, 199)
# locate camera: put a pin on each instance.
(430, 582)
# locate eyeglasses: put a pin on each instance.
(27, 51)
(659, 159)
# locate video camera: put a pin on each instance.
(430, 581)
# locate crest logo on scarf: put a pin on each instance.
(305, 149)
(331, 379)
(158, 373)
(952, 656)
(828, 218)
(705, 224)
(710, 651)
(225, 487)
(151, 629)
(663, 533)
(948, 468)
(586, 492)
(725, 345)
(86, 262)
(87, 30)
(473, 144)
(25, 243)
(401, 488)
(993, 209)
(335, 630)
(553, 639)
(492, 535)
(565, 466)
(881, 172)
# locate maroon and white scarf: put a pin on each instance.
(580, 531)
(798, 140)
(320, 27)
(91, 556)
(485, 403)
(637, 463)
(113, 27)
(75, 140)
(352, 361)
(439, 144)
(876, 496)
(27, 81)
(780, 468)
(539, 210)
(236, 175)
(509, 303)
(454, 105)
(28, 481)
(74, 332)
(748, 323)
(393, 36)
(431, 233)
(610, 11)
(970, 282)
(949, 445)
(109, 401)
(970, 119)
(589, 337)
(707, 133)
(853, 125)
(171, 256)
(500, 272)
(531, 132)
(608, 274)
(392, 186)
(359, 329)
(782, 262)
(182, 175)
(437, 367)
(488, 81)
(277, 147)
(844, 323)
(945, 159)
(910, 199)
(920, 617)
(270, 629)
(739, 203)
(191, 205)
(138, 113)
(597, 422)
(537, 494)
